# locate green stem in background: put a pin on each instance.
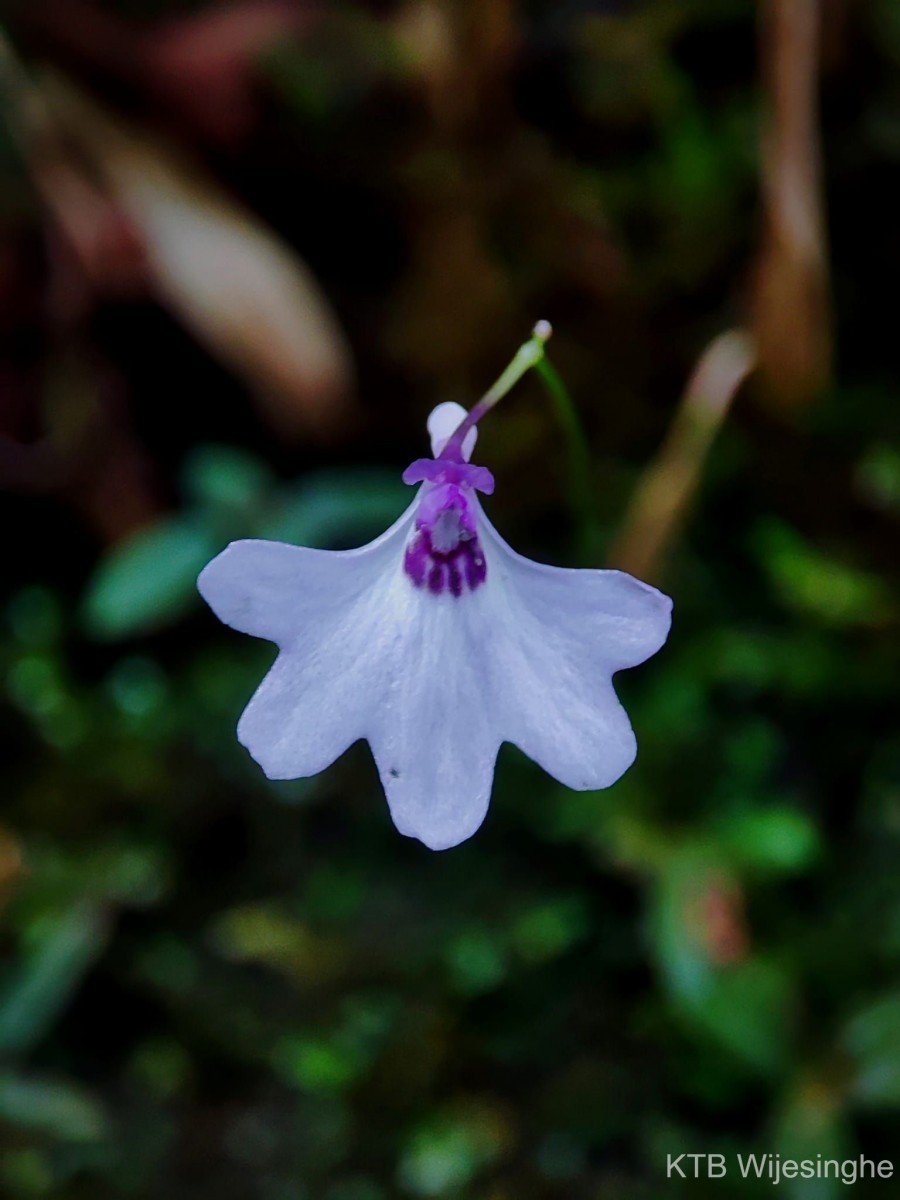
(581, 495)
(526, 357)
(533, 355)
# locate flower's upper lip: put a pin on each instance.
(443, 470)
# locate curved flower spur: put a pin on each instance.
(437, 643)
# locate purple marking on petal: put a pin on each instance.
(476, 567)
(459, 570)
(436, 578)
(415, 561)
(444, 553)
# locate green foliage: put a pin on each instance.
(872, 1037)
(772, 839)
(150, 580)
(333, 507)
(64, 947)
(818, 585)
(48, 1107)
(449, 1150)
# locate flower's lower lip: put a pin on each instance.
(455, 571)
(435, 685)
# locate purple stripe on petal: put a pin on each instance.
(476, 569)
(459, 570)
(436, 578)
(416, 559)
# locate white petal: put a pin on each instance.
(325, 609)
(436, 683)
(443, 421)
(562, 634)
(434, 733)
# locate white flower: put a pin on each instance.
(437, 643)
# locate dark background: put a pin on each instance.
(214, 986)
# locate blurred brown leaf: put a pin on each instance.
(239, 287)
(664, 493)
(460, 55)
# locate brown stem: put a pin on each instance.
(792, 322)
(663, 496)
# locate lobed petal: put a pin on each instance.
(435, 683)
(325, 610)
(562, 635)
(434, 732)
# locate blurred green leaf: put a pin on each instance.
(450, 1149)
(111, 867)
(336, 506)
(872, 1037)
(548, 929)
(319, 1064)
(748, 1010)
(34, 684)
(254, 933)
(149, 580)
(225, 480)
(678, 942)
(777, 838)
(692, 169)
(744, 1004)
(878, 477)
(476, 961)
(27, 1172)
(35, 616)
(811, 1122)
(129, 873)
(162, 1065)
(812, 582)
(138, 686)
(53, 1107)
(41, 984)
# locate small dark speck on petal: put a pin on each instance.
(394, 773)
